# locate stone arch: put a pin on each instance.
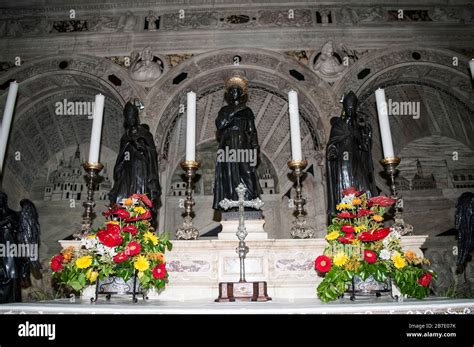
(38, 132)
(271, 75)
(428, 78)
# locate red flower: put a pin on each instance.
(363, 212)
(146, 215)
(159, 272)
(370, 256)
(133, 248)
(144, 198)
(351, 190)
(381, 233)
(111, 236)
(116, 210)
(123, 214)
(368, 236)
(383, 201)
(57, 263)
(111, 211)
(120, 257)
(323, 264)
(132, 229)
(425, 279)
(345, 214)
(347, 229)
(347, 239)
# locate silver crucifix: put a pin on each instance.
(241, 233)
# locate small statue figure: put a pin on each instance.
(464, 220)
(21, 230)
(143, 68)
(327, 64)
(151, 19)
(136, 169)
(348, 155)
(236, 134)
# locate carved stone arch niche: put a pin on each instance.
(427, 79)
(39, 130)
(271, 75)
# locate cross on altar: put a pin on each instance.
(242, 290)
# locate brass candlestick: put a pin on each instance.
(300, 229)
(390, 165)
(187, 231)
(92, 177)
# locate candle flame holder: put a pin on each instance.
(390, 165)
(300, 228)
(187, 231)
(92, 178)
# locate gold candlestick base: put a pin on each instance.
(300, 228)
(187, 231)
(92, 176)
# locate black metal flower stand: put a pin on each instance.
(101, 289)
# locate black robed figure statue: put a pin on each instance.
(348, 155)
(136, 168)
(237, 137)
(20, 231)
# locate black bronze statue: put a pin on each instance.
(465, 225)
(348, 154)
(19, 239)
(136, 168)
(238, 150)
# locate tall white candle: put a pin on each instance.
(294, 126)
(96, 133)
(384, 123)
(471, 67)
(191, 127)
(7, 120)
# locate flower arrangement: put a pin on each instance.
(360, 245)
(125, 246)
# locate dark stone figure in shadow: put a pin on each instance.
(348, 155)
(19, 231)
(464, 220)
(236, 133)
(136, 169)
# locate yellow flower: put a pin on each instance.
(92, 275)
(398, 261)
(342, 206)
(139, 209)
(332, 235)
(84, 262)
(141, 264)
(340, 259)
(112, 222)
(90, 236)
(148, 236)
(377, 218)
(356, 201)
(360, 228)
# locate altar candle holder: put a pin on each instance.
(187, 231)
(92, 178)
(300, 229)
(390, 165)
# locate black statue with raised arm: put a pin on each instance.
(348, 154)
(238, 151)
(136, 169)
